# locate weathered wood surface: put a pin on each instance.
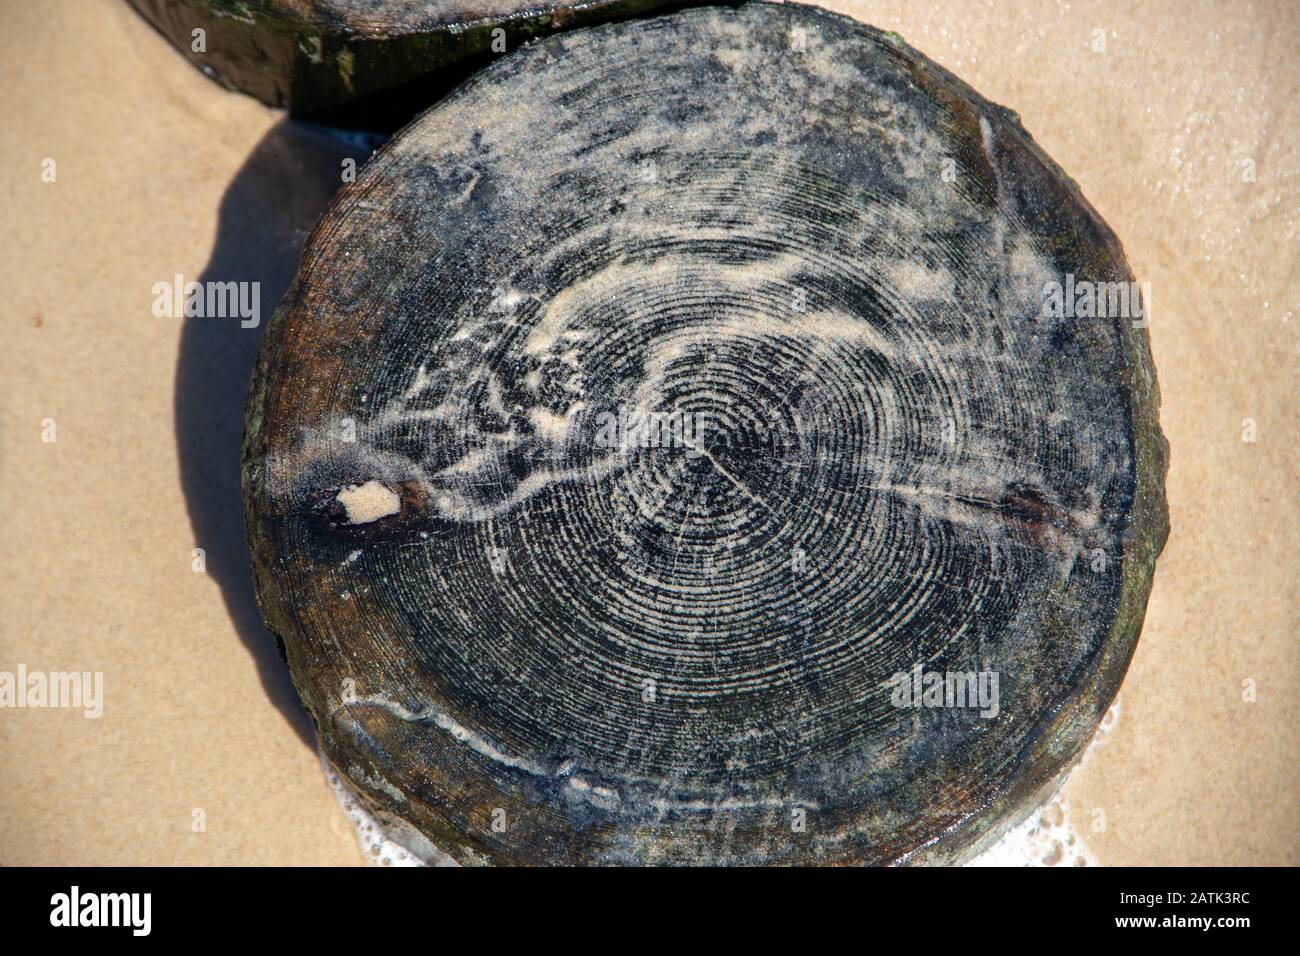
(390, 58)
(523, 642)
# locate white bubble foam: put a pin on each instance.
(1048, 836)
(379, 849)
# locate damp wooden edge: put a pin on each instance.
(360, 63)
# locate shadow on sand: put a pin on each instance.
(266, 214)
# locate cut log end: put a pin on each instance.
(667, 456)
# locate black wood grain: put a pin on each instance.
(528, 634)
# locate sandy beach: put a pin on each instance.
(120, 428)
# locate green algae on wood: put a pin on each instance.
(529, 635)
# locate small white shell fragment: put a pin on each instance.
(369, 502)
